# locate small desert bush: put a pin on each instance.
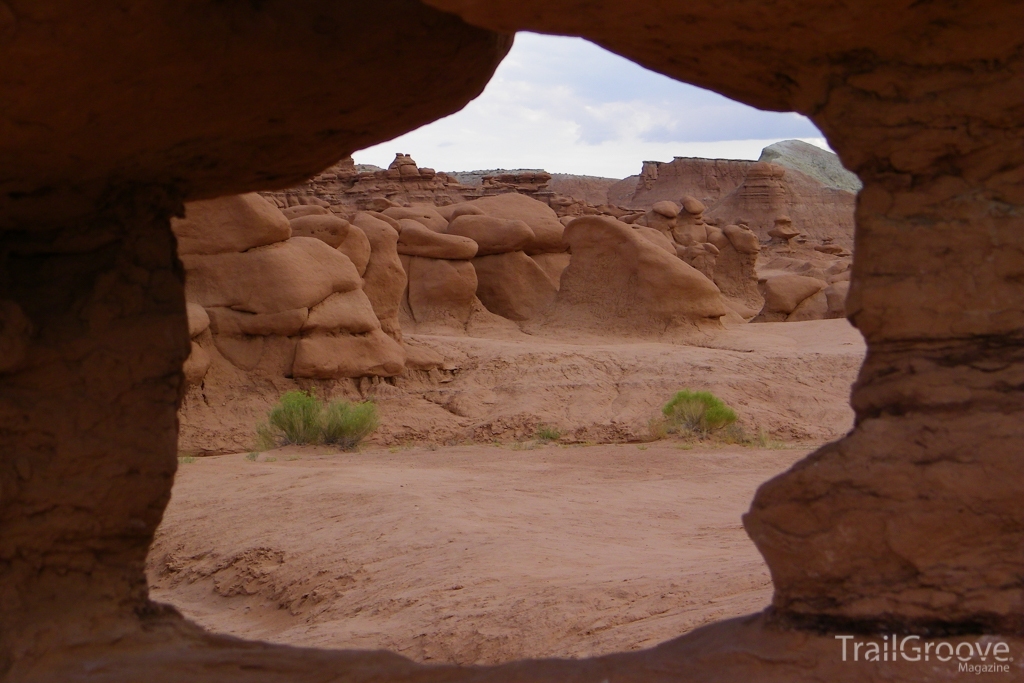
(297, 417)
(301, 418)
(546, 434)
(696, 412)
(346, 424)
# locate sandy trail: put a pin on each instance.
(470, 554)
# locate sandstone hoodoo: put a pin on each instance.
(292, 307)
(617, 279)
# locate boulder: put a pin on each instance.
(553, 266)
(513, 286)
(492, 235)
(743, 239)
(618, 280)
(229, 224)
(717, 237)
(441, 291)
(343, 312)
(814, 307)
(784, 293)
(198, 319)
(357, 247)
(385, 280)
(416, 239)
(326, 227)
(783, 229)
(693, 205)
(225, 321)
(297, 273)
(666, 209)
(327, 356)
(835, 295)
(425, 215)
(547, 229)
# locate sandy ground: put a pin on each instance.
(791, 380)
(470, 554)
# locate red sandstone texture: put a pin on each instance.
(113, 116)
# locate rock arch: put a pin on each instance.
(113, 114)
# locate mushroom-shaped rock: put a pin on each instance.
(782, 294)
(665, 208)
(547, 229)
(385, 280)
(742, 238)
(416, 239)
(694, 206)
(618, 280)
(783, 229)
(427, 215)
(229, 224)
(493, 235)
(513, 286)
(198, 319)
(297, 273)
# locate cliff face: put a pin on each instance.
(756, 193)
(705, 179)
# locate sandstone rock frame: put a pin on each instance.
(114, 114)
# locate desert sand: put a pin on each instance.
(469, 554)
(504, 547)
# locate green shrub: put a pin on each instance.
(546, 434)
(346, 424)
(697, 411)
(301, 418)
(297, 417)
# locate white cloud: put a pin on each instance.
(568, 106)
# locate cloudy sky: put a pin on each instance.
(568, 106)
